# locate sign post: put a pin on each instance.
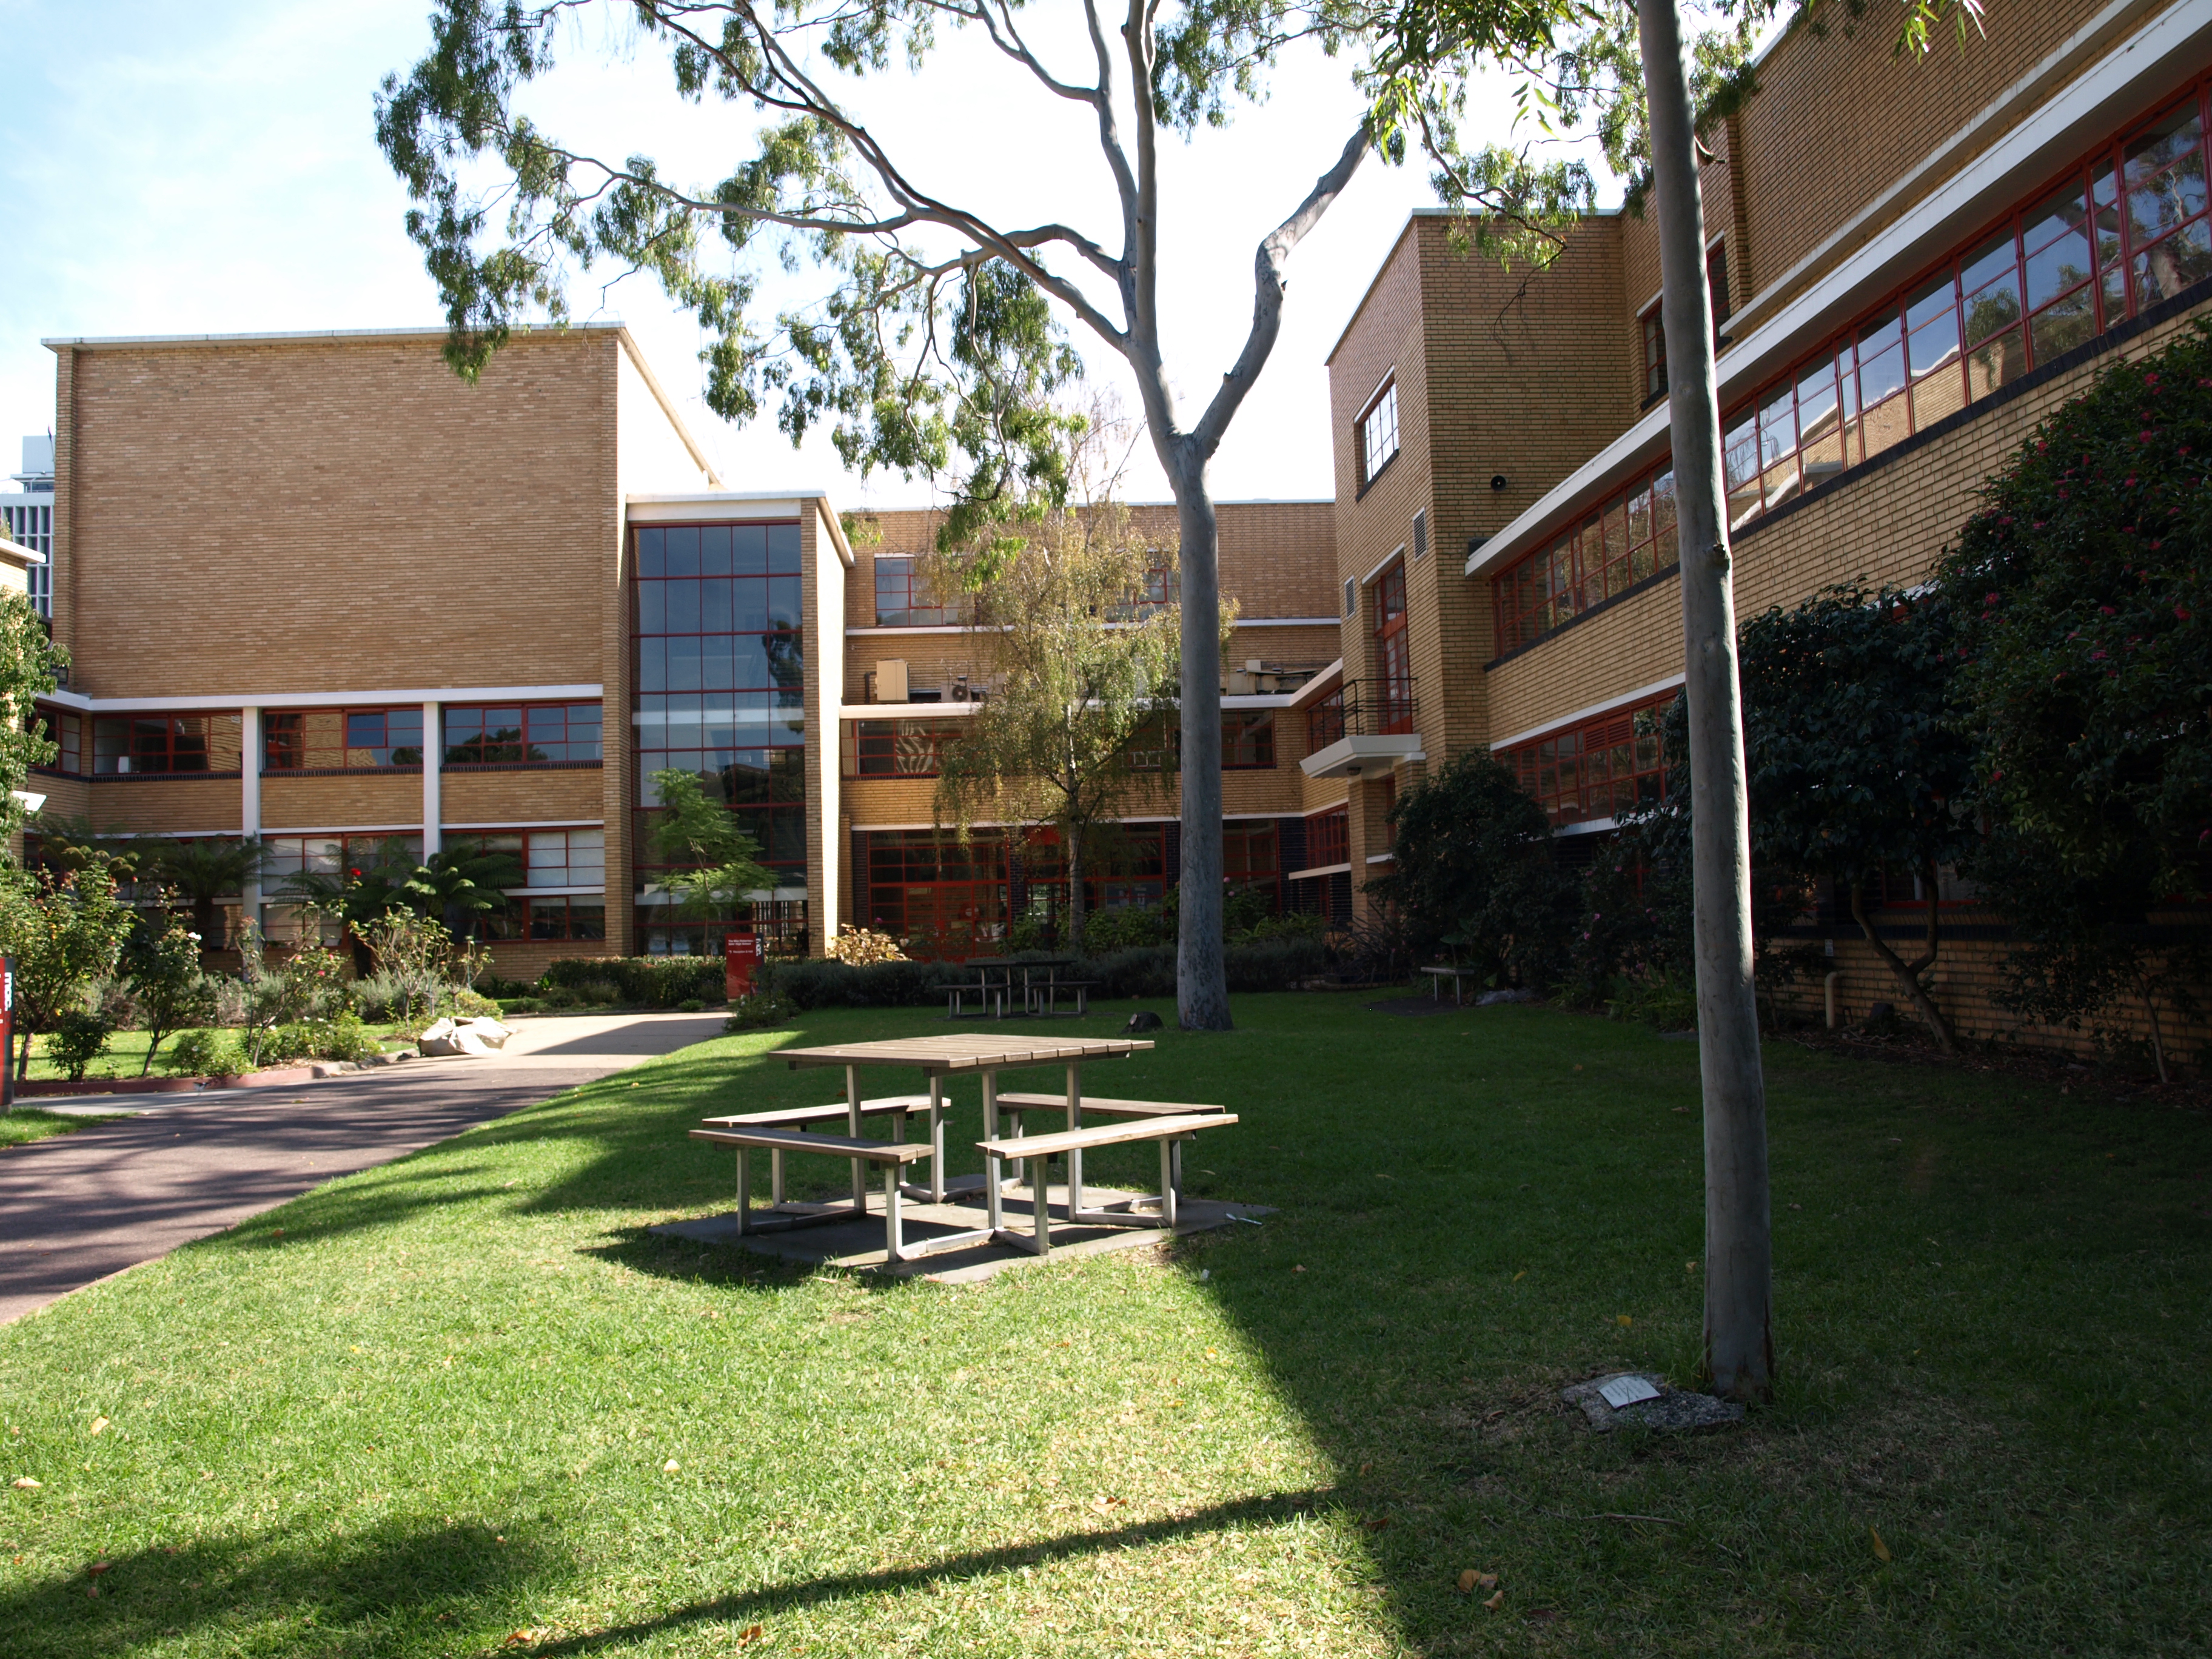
(741, 954)
(7, 1034)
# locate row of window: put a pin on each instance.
(916, 749)
(1603, 770)
(2125, 228)
(1631, 537)
(951, 897)
(904, 599)
(327, 739)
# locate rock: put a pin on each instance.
(1491, 999)
(464, 1036)
(332, 1068)
(1143, 1020)
(1674, 1412)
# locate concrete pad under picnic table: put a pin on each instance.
(859, 1245)
(76, 1208)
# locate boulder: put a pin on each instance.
(464, 1036)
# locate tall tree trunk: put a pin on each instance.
(1202, 974)
(1739, 1248)
(1074, 837)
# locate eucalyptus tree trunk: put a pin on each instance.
(1201, 975)
(1739, 1256)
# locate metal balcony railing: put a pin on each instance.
(1361, 708)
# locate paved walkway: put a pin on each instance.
(77, 1208)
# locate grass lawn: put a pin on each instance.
(125, 1055)
(27, 1123)
(464, 1405)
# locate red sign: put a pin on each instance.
(7, 1032)
(741, 954)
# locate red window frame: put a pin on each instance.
(1997, 306)
(1328, 837)
(898, 749)
(1393, 662)
(163, 745)
(1600, 768)
(1248, 741)
(289, 743)
(900, 603)
(936, 892)
(522, 734)
(1629, 539)
(1325, 721)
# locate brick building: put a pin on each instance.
(1911, 265)
(488, 612)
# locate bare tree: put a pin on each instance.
(942, 331)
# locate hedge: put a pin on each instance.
(646, 982)
(1149, 971)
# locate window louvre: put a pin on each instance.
(1421, 533)
(1351, 596)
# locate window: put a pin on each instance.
(524, 734)
(1325, 722)
(898, 749)
(1163, 587)
(331, 855)
(1629, 538)
(1388, 802)
(1392, 658)
(945, 897)
(1251, 859)
(31, 523)
(1378, 433)
(341, 740)
(166, 743)
(1328, 837)
(566, 918)
(720, 689)
(66, 731)
(1601, 769)
(1248, 741)
(903, 599)
(1654, 322)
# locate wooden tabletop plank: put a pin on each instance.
(962, 1052)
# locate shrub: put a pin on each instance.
(819, 983)
(1664, 1001)
(79, 1038)
(207, 1054)
(521, 1004)
(761, 1008)
(340, 1037)
(461, 1003)
(859, 945)
(690, 1005)
(646, 982)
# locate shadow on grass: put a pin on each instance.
(763, 1603)
(401, 1588)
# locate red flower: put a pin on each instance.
(2106, 609)
(2181, 612)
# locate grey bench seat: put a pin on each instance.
(1167, 1130)
(890, 1156)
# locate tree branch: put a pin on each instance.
(1274, 253)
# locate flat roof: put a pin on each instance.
(98, 342)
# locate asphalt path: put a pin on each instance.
(77, 1208)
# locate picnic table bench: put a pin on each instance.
(892, 1157)
(1039, 1150)
(1438, 974)
(897, 1108)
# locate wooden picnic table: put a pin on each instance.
(957, 1054)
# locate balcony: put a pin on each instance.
(1364, 726)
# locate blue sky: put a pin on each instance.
(211, 168)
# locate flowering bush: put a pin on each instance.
(861, 946)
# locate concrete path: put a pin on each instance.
(77, 1208)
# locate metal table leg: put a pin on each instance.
(992, 1171)
(853, 1128)
(1075, 1157)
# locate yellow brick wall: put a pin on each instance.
(358, 800)
(166, 805)
(571, 795)
(289, 515)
